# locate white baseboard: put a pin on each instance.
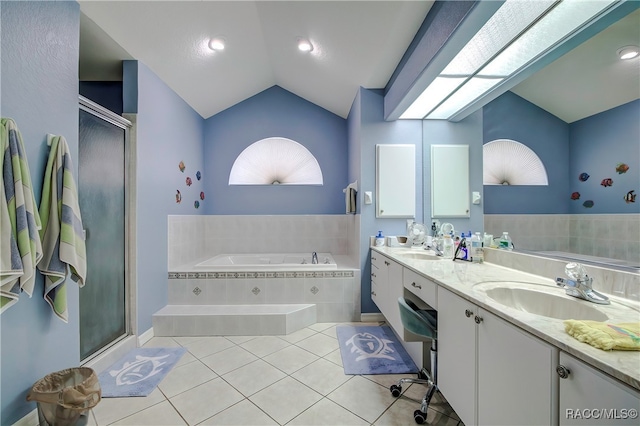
(374, 317)
(31, 419)
(145, 337)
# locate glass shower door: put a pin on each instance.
(102, 199)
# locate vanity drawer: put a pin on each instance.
(377, 260)
(422, 287)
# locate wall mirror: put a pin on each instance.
(586, 82)
(449, 190)
(395, 181)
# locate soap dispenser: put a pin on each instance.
(505, 242)
(379, 239)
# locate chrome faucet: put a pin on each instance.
(314, 258)
(579, 284)
(434, 247)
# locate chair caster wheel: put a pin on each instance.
(419, 417)
(395, 390)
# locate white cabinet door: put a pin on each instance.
(457, 354)
(395, 290)
(516, 375)
(590, 397)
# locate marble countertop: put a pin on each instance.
(462, 278)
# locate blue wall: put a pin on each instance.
(275, 112)
(594, 145)
(597, 144)
(40, 45)
(464, 132)
(368, 128)
(168, 132)
(105, 93)
(511, 117)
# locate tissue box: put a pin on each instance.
(396, 241)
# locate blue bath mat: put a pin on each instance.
(138, 372)
(373, 350)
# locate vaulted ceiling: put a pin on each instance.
(356, 43)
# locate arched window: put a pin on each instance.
(275, 161)
(508, 162)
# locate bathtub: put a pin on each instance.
(267, 262)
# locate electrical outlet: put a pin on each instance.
(435, 225)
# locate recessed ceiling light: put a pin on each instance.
(628, 52)
(216, 44)
(304, 45)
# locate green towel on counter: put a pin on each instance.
(624, 337)
(62, 233)
(20, 245)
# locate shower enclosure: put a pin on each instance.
(102, 194)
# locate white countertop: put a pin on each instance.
(460, 278)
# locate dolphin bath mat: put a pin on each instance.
(373, 350)
(138, 372)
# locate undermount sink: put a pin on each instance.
(528, 298)
(420, 255)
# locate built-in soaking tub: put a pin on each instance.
(267, 262)
(258, 294)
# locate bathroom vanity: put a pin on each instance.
(500, 364)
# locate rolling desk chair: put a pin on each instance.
(423, 323)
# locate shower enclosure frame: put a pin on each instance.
(127, 340)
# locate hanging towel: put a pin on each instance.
(350, 193)
(61, 234)
(625, 337)
(20, 246)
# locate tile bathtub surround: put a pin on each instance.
(335, 293)
(618, 283)
(202, 237)
(614, 236)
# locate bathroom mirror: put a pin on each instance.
(395, 181)
(586, 81)
(449, 191)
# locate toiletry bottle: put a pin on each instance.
(488, 240)
(464, 249)
(447, 247)
(505, 242)
(477, 253)
(379, 239)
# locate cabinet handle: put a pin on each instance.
(373, 258)
(468, 313)
(413, 284)
(478, 319)
(373, 275)
(373, 293)
(386, 263)
(563, 371)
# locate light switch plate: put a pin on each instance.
(475, 197)
(368, 197)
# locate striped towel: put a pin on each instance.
(61, 234)
(20, 246)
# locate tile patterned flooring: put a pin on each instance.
(295, 379)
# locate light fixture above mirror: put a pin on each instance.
(516, 41)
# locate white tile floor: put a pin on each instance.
(296, 379)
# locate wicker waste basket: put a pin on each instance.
(63, 396)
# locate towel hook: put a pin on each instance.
(50, 137)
